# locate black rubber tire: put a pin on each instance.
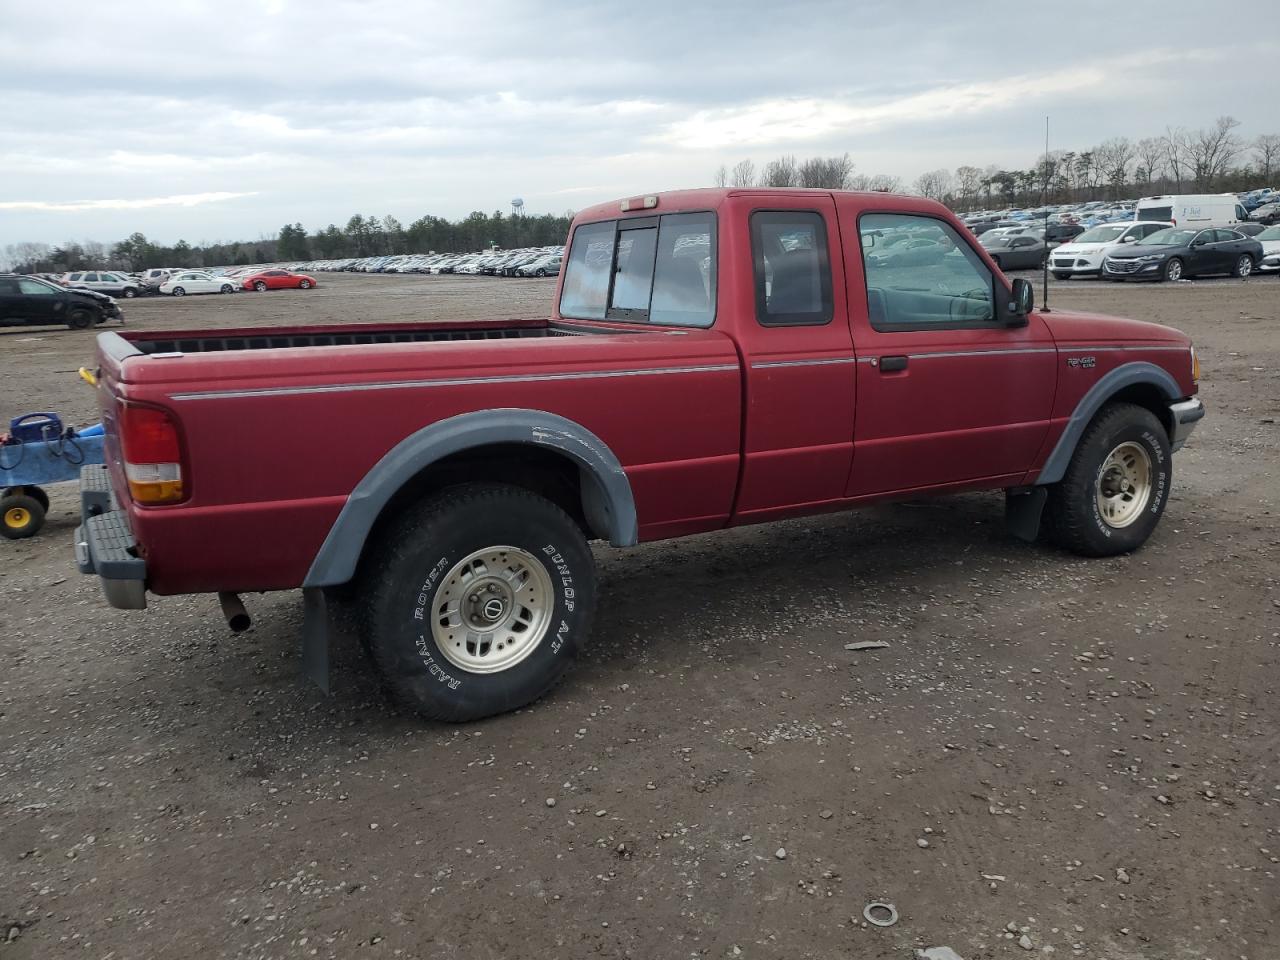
(260, 286)
(33, 512)
(540, 272)
(304, 285)
(399, 585)
(1240, 271)
(130, 292)
(1061, 276)
(226, 288)
(1072, 510)
(1164, 273)
(79, 319)
(179, 291)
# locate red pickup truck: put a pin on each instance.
(713, 358)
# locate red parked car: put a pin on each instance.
(277, 280)
(712, 358)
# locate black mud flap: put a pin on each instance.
(1023, 508)
(315, 637)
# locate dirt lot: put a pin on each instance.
(1090, 749)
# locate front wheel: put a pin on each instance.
(305, 285)
(1243, 267)
(226, 288)
(130, 293)
(80, 320)
(1173, 270)
(540, 272)
(1115, 488)
(478, 602)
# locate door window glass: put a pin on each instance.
(34, 288)
(792, 268)
(8, 287)
(1226, 235)
(684, 281)
(945, 285)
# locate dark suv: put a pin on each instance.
(33, 301)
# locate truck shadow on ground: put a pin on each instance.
(657, 601)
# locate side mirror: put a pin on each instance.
(1022, 302)
(1129, 239)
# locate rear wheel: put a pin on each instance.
(1243, 267)
(79, 319)
(478, 601)
(179, 292)
(1115, 488)
(1173, 270)
(21, 516)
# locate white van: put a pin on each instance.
(1193, 210)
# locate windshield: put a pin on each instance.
(1169, 238)
(1106, 234)
(1271, 233)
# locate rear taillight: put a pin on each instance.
(152, 454)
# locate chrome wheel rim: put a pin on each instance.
(1244, 267)
(1174, 271)
(492, 609)
(1123, 488)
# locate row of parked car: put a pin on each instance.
(523, 262)
(178, 282)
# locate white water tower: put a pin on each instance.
(517, 207)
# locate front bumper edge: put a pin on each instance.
(1186, 414)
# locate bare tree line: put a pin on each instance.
(827, 173)
(1210, 159)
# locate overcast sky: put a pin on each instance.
(224, 121)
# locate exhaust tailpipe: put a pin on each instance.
(238, 618)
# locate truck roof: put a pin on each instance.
(710, 198)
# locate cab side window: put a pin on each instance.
(939, 284)
(35, 288)
(792, 268)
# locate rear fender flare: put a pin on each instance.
(607, 494)
(1125, 375)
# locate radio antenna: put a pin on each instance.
(1044, 205)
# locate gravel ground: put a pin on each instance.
(1050, 755)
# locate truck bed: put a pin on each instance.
(214, 341)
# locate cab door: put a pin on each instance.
(949, 392)
(797, 352)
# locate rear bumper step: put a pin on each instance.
(105, 546)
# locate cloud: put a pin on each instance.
(72, 206)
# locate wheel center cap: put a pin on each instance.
(493, 609)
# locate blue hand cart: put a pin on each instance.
(39, 450)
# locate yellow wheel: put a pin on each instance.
(20, 516)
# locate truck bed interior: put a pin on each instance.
(275, 340)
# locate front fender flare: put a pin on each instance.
(1125, 375)
(609, 496)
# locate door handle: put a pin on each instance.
(892, 364)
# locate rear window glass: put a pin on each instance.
(657, 269)
(585, 294)
(1164, 214)
(792, 268)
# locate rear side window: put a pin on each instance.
(656, 269)
(792, 268)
